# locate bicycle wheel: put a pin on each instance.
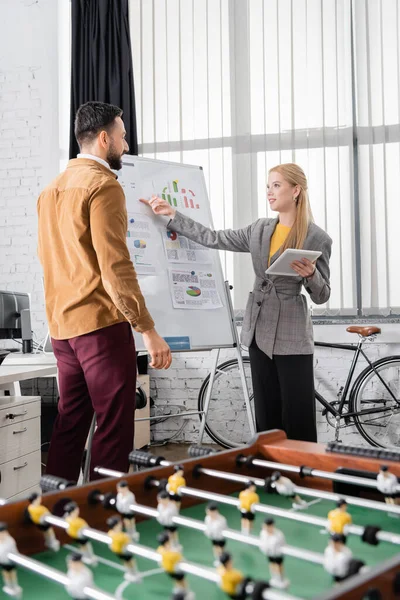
(381, 425)
(227, 423)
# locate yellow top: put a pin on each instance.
(169, 559)
(278, 238)
(119, 540)
(230, 579)
(175, 482)
(247, 499)
(37, 512)
(75, 525)
(338, 520)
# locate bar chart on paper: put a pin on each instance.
(179, 198)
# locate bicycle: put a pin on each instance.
(372, 403)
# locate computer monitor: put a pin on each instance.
(15, 319)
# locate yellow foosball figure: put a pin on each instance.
(339, 519)
(176, 481)
(37, 512)
(119, 542)
(247, 498)
(75, 526)
(170, 560)
(231, 579)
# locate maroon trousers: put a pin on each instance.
(96, 373)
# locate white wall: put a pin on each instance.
(28, 138)
(29, 158)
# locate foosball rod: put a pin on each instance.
(302, 491)
(57, 576)
(305, 471)
(382, 536)
(231, 534)
(144, 552)
(139, 458)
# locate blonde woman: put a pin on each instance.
(277, 327)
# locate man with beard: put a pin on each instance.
(93, 298)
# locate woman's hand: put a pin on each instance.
(159, 206)
(304, 267)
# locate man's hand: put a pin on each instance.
(160, 353)
(159, 206)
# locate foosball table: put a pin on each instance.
(274, 520)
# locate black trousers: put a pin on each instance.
(283, 390)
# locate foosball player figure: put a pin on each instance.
(387, 484)
(170, 560)
(247, 498)
(215, 524)
(285, 487)
(79, 577)
(75, 526)
(176, 481)
(167, 510)
(272, 542)
(119, 542)
(37, 512)
(8, 568)
(124, 500)
(338, 559)
(339, 519)
(231, 580)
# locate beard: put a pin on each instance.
(114, 159)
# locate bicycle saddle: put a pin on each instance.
(364, 331)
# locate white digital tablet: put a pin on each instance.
(282, 264)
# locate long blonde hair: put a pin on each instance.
(294, 175)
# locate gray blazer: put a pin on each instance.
(276, 312)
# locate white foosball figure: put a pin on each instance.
(337, 557)
(124, 500)
(80, 576)
(8, 569)
(215, 524)
(167, 510)
(272, 542)
(285, 487)
(387, 484)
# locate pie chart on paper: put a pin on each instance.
(172, 235)
(193, 291)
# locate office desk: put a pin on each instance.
(11, 375)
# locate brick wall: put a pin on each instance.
(29, 148)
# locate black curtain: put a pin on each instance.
(101, 65)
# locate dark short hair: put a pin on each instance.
(75, 556)
(93, 117)
(269, 521)
(225, 558)
(163, 538)
(112, 522)
(70, 507)
(338, 537)
(122, 484)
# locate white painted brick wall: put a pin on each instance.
(29, 147)
(178, 389)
